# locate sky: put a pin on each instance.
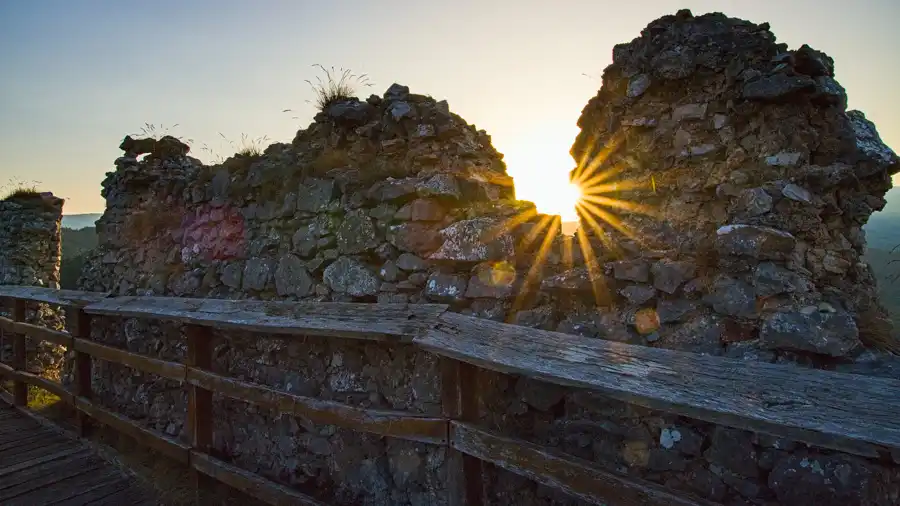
(78, 76)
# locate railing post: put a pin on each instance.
(80, 327)
(20, 388)
(459, 383)
(199, 412)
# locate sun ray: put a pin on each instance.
(597, 159)
(546, 220)
(510, 224)
(626, 185)
(611, 219)
(595, 273)
(619, 204)
(537, 265)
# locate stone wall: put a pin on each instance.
(29, 240)
(30, 256)
(725, 186)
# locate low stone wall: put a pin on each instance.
(322, 460)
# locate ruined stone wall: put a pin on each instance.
(30, 240)
(30, 256)
(725, 186)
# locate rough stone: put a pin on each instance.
(315, 194)
(445, 287)
(476, 240)
(669, 275)
(732, 297)
(357, 233)
(828, 333)
(349, 276)
(492, 280)
(754, 241)
(821, 480)
(291, 277)
(777, 87)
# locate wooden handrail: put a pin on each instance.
(850, 413)
(846, 412)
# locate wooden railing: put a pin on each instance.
(850, 413)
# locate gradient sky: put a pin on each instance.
(79, 75)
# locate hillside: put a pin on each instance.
(75, 246)
(79, 221)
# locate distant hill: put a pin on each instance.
(77, 221)
(76, 244)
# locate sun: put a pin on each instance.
(560, 199)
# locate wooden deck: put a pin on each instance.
(40, 466)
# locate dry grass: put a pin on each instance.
(330, 159)
(336, 85)
(248, 147)
(22, 192)
(877, 332)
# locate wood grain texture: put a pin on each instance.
(574, 476)
(332, 319)
(68, 298)
(159, 442)
(43, 334)
(386, 423)
(20, 389)
(169, 370)
(251, 484)
(846, 412)
(79, 324)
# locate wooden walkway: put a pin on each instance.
(39, 466)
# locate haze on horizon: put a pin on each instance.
(79, 76)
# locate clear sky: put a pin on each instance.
(79, 75)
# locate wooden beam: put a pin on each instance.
(249, 483)
(459, 401)
(39, 333)
(48, 385)
(845, 412)
(144, 436)
(80, 328)
(67, 298)
(7, 324)
(386, 423)
(163, 368)
(576, 477)
(20, 389)
(329, 319)
(199, 410)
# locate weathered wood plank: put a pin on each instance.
(69, 298)
(47, 478)
(7, 324)
(54, 466)
(249, 483)
(386, 423)
(10, 468)
(67, 488)
(333, 319)
(79, 324)
(574, 476)
(163, 444)
(43, 334)
(169, 370)
(98, 495)
(459, 401)
(51, 386)
(846, 412)
(20, 389)
(200, 409)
